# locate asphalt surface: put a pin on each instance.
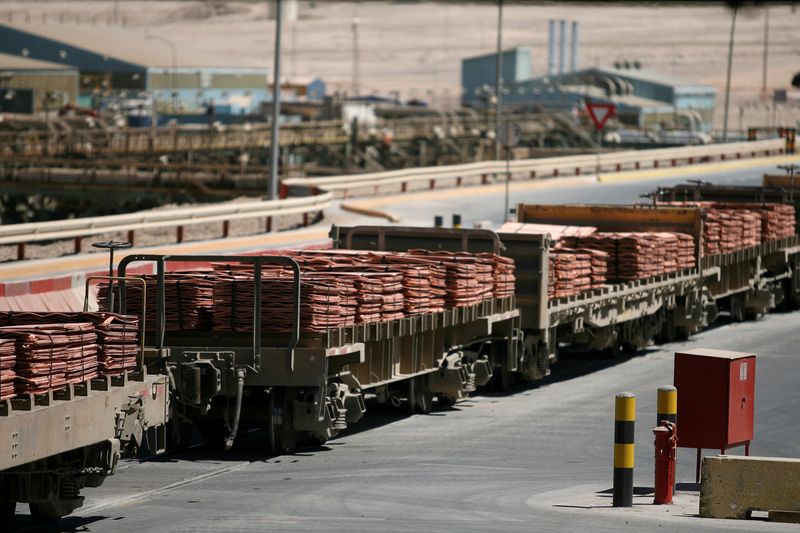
(488, 204)
(531, 460)
(536, 459)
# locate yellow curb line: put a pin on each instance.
(466, 191)
(693, 170)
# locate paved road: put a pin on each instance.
(533, 460)
(527, 461)
(418, 209)
(486, 203)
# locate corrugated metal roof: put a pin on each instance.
(648, 75)
(11, 62)
(133, 46)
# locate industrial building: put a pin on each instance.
(150, 70)
(29, 85)
(643, 98)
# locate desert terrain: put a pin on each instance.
(415, 48)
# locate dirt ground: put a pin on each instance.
(415, 48)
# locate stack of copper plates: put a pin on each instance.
(728, 230)
(638, 256)
(570, 273)
(116, 334)
(379, 296)
(605, 243)
(777, 221)
(326, 302)
(503, 279)
(51, 355)
(468, 278)
(188, 300)
(599, 262)
(419, 294)
(424, 280)
(7, 375)
(686, 255)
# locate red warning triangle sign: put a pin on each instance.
(600, 113)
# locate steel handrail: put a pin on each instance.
(530, 165)
(258, 261)
(111, 279)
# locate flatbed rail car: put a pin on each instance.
(751, 281)
(52, 445)
(312, 384)
(617, 316)
(745, 283)
(774, 189)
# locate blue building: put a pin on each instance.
(643, 98)
(117, 64)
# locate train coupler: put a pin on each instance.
(453, 379)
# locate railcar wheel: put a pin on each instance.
(420, 397)
(737, 308)
(535, 363)
(280, 427)
(669, 331)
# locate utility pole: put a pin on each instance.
(355, 81)
(728, 76)
(766, 51)
(272, 192)
(498, 92)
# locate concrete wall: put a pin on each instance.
(733, 486)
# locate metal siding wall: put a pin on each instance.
(42, 82)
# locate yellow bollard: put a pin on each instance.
(624, 419)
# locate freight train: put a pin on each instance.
(229, 369)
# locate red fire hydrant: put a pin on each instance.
(666, 446)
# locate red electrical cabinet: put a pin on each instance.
(716, 398)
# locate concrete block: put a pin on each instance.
(733, 486)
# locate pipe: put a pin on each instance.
(237, 410)
(573, 62)
(562, 45)
(551, 47)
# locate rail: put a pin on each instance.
(79, 228)
(457, 175)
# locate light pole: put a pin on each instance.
(766, 51)
(498, 103)
(272, 191)
(174, 55)
(728, 76)
(355, 81)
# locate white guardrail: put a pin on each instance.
(78, 228)
(429, 177)
(317, 193)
